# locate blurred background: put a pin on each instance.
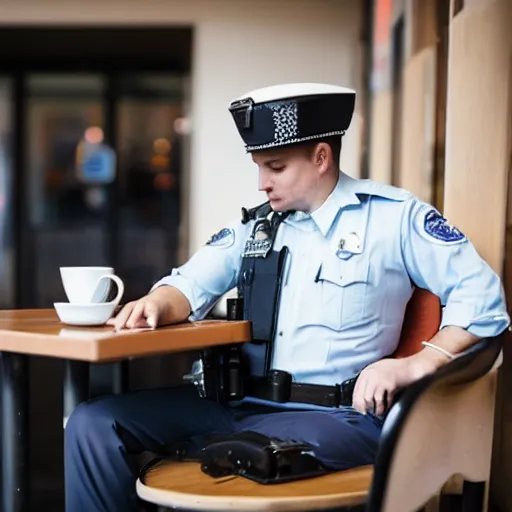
(117, 148)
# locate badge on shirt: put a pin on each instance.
(350, 243)
(224, 238)
(436, 226)
(260, 241)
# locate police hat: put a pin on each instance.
(291, 113)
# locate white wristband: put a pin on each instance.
(449, 355)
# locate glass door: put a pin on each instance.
(7, 272)
(150, 129)
(87, 203)
(66, 211)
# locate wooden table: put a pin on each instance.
(39, 332)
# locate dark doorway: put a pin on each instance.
(397, 59)
(443, 42)
(67, 92)
(78, 213)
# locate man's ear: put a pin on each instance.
(322, 157)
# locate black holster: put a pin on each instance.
(220, 374)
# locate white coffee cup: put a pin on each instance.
(86, 285)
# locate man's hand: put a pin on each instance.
(164, 305)
(378, 382)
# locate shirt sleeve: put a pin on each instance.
(441, 259)
(212, 271)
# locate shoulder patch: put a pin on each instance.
(224, 238)
(436, 226)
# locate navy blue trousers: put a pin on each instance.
(103, 437)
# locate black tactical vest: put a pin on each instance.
(259, 285)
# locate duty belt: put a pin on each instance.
(278, 387)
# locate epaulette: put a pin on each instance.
(261, 210)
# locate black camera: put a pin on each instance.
(260, 458)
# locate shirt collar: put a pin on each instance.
(343, 195)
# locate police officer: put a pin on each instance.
(355, 250)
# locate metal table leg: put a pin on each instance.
(121, 377)
(15, 433)
(75, 386)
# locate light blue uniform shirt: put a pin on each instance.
(350, 273)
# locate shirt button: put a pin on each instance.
(280, 333)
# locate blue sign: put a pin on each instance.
(99, 165)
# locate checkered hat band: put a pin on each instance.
(278, 143)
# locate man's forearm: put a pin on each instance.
(451, 339)
(389, 375)
(177, 306)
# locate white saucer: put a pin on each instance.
(84, 314)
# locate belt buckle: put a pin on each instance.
(338, 395)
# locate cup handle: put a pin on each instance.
(120, 287)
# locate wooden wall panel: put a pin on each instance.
(477, 136)
(418, 124)
(381, 137)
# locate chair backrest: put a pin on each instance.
(441, 426)
(421, 321)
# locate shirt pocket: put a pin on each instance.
(343, 289)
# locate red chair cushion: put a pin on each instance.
(422, 320)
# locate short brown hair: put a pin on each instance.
(334, 142)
